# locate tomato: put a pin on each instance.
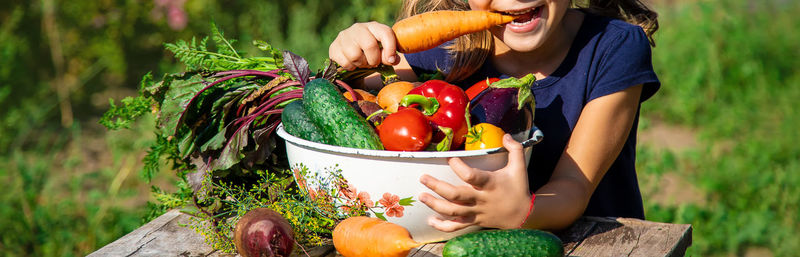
(405, 130)
(445, 105)
(484, 136)
(478, 87)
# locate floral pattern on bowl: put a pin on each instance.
(332, 193)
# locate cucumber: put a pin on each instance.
(505, 242)
(298, 124)
(337, 119)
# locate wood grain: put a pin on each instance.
(168, 235)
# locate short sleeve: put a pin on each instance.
(430, 61)
(626, 62)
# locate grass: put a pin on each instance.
(733, 75)
(70, 194)
(70, 186)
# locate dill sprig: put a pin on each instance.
(274, 190)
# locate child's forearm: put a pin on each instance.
(595, 143)
(556, 208)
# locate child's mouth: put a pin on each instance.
(525, 17)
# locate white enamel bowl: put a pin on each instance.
(387, 182)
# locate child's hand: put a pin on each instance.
(364, 45)
(497, 199)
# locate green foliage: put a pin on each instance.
(735, 79)
(728, 69)
(274, 190)
(197, 55)
(214, 123)
(131, 109)
(63, 207)
(55, 82)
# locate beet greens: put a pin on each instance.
(215, 125)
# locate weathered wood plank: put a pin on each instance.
(590, 236)
(575, 234)
(633, 237)
(427, 250)
(164, 236)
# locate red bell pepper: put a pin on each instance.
(479, 86)
(445, 105)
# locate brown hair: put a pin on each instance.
(470, 51)
(632, 11)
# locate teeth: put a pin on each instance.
(521, 23)
(520, 12)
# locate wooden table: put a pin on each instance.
(589, 236)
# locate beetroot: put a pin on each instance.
(263, 232)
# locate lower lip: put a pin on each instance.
(527, 27)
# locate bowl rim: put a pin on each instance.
(535, 136)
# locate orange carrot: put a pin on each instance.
(430, 29)
(365, 236)
(361, 94)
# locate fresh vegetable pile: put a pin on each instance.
(404, 116)
(216, 122)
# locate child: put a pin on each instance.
(593, 71)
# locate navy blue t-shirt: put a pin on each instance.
(606, 56)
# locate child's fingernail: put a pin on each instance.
(391, 59)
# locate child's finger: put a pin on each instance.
(444, 207)
(516, 156)
(388, 42)
(337, 56)
(353, 53)
(472, 176)
(371, 49)
(447, 225)
(448, 191)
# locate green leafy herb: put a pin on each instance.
(214, 127)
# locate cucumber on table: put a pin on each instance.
(505, 242)
(336, 118)
(297, 123)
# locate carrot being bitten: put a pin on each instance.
(431, 29)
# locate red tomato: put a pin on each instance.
(476, 89)
(405, 130)
(484, 136)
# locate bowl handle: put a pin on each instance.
(536, 137)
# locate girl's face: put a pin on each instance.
(537, 21)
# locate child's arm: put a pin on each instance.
(500, 199)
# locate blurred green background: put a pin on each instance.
(717, 150)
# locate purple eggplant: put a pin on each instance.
(507, 103)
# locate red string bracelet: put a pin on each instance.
(533, 198)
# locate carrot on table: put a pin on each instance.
(365, 236)
(430, 29)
